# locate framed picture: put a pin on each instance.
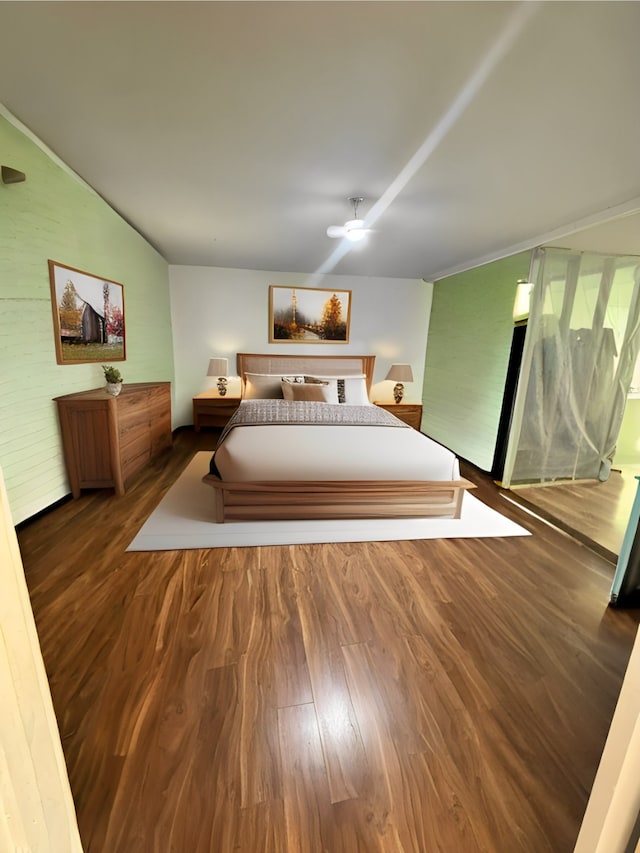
(306, 315)
(88, 316)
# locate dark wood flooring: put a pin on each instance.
(447, 695)
(594, 512)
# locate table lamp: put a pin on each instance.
(399, 373)
(219, 367)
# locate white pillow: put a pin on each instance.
(355, 387)
(266, 386)
(262, 386)
(321, 392)
(355, 390)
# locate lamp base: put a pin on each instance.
(222, 386)
(398, 392)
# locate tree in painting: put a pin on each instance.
(334, 328)
(70, 312)
(115, 323)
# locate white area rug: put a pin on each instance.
(183, 520)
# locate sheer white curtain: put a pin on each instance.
(581, 347)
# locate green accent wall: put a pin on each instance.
(467, 356)
(55, 215)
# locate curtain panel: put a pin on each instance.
(580, 351)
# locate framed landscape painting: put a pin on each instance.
(88, 316)
(309, 315)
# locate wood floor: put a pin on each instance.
(594, 512)
(447, 695)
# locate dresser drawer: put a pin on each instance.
(131, 405)
(160, 433)
(135, 442)
(133, 430)
(134, 459)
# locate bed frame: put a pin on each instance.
(315, 499)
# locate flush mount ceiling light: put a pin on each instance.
(353, 229)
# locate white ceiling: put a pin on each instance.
(231, 134)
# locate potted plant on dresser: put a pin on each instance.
(113, 378)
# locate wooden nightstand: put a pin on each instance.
(410, 413)
(211, 410)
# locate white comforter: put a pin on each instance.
(305, 452)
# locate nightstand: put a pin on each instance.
(410, 413)
(211, 410)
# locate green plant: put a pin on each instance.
(111, 374)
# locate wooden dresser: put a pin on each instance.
(108, 439)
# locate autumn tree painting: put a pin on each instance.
(309, 315)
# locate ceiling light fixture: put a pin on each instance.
(354, 229)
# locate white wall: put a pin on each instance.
(219, 312)
(612, 810)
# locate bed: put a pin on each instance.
(306, 443)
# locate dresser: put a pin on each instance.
(106, 439)
(212, 410)
(410, 413)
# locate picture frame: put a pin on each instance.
(88, 316)
(308, 315)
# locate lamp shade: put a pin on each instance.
(400, 373)
(218, 367)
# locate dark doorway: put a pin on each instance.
(506, 412)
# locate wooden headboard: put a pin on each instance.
(321, 365)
